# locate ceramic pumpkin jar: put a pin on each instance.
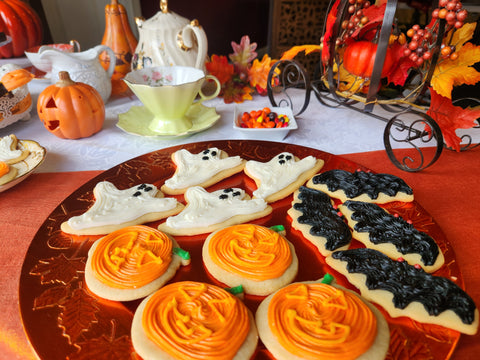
(71, 110)
(19, 21)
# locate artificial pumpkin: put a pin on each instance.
(16, 78)
(359, 57)
(22, 24)
(119, 37)
(71, 110)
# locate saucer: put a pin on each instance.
(136, 120)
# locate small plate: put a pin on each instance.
(135, 121)
(273, 134)
(27, 166)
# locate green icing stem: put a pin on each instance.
(185, 255)
(277, 228)
(235, 290)
(327, 279)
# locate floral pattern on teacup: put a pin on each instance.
(157, 78)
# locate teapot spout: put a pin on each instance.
(139, 21)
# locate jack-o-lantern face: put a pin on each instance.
(71, 110)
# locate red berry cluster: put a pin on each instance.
(419, 49)
(356, 18)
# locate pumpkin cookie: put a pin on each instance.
(114, 209)
(313, 320)
(131, 263)
(7, 173)
(253, 256)
(190, 320)
(362, 186)
(203, 169)
(206, 212)
(282, 175)
(405, 290)
(10, 153)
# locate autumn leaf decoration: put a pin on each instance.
(241, 73)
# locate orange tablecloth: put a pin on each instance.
(448, 191)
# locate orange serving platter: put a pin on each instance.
(62, 319)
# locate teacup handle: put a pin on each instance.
(215, 93)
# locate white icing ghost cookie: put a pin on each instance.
(206, 212)
(203, 169)
(114, 209)
(9, 151)
(282, 175)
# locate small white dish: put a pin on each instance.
(136, 120)
(264, 133)
(27, 166)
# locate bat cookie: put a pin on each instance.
(203, 169)
(392, 235)
(253, 256)
(362, 186)
(206, 212)
(282, 175)
(189, 320)
(114, 209)
(315, 320)
(405, 290)
(319, 222)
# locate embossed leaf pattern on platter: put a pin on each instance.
(105, 348)
(58, 269)
(78, 314)
(403, 348)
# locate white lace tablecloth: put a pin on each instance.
(334, 130)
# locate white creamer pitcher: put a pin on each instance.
(168, 39)
(82, 66)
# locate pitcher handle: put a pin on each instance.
(111, 55)
(186, 45)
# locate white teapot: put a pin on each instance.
(168, 39)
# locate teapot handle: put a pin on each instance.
(111, 55)
(201, 41)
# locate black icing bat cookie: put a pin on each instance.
(392, 235)
(313, 214)
(362, 186)
(405, 290)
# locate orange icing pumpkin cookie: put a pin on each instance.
(282, 175)
(256, 257)
(7, 173)
(132, 263)
(203, 169)
(314, 320)
(193, 320)
(115, 209)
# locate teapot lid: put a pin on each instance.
(165, 18)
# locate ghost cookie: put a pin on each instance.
(362, 186)
(405, 290)
(315, 320)
(392, 235)
(193, 320)
(203, 169)
(114, 209)
(206, 212)
(132, 263)
(319, 222)
(282, 175)
(253, 256)
(9, 151)
(7, 173)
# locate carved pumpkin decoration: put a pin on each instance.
(71, 110)
(119, 37)
(359, 58)
(22, 24)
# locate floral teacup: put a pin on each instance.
(168, 92)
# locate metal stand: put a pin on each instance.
(407, 123)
